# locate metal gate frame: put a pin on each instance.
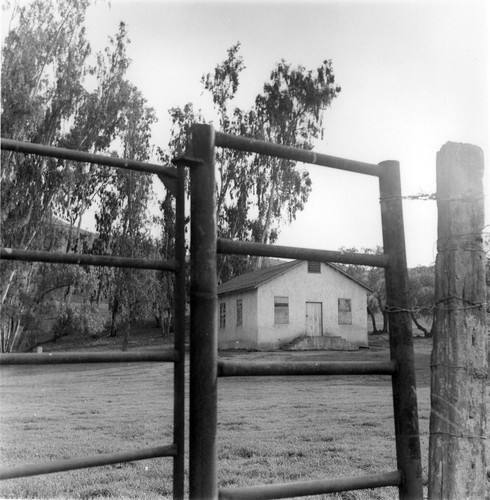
(205, 367)
(174, 179)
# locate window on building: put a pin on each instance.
(281, 310)
(345, 312)
(314, 267)
(222, 315)
(239, 314)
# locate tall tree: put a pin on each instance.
(256, 194)
(45, 71)
(122, 220)
(43, 63)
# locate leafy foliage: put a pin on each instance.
(421, 283)
(78, 321)
(46, 74)
(255, 194)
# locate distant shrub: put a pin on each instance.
(78, 321)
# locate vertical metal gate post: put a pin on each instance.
(179, 337)
(400, 328)
(204, 341)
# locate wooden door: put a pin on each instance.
(314, 320)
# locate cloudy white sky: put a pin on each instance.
(414, 75)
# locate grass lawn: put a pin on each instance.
(273, 429)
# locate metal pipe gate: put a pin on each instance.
(204, 365)
(174, 179)
(205, 368)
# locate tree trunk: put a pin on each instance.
(115, 312)
(419, 325)
(268, 219)
(15, 335)
(127, 334)
(7, 285)
(385, 321)
(457, 466)
(265, 233)
(373, 320)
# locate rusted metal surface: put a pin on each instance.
(400, 329)
(252, 369)
(204, 331)
(260, 249)
(296, 154)
(82, 156)
(85, 462)
(179, 340)
(86, 260)
(318, 487)
(59, 358)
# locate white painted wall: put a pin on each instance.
(301, 287)
(243, 336)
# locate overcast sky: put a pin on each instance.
(414, 75)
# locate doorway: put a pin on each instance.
(314, 319)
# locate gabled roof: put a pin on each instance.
(253, 280)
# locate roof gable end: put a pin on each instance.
(254, 279)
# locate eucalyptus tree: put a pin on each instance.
(43, 61)
(46, 73)
(256, 194)
(123, 218)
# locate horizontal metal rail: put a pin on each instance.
(85, 462)
(253, 369)
(265, 250)
(59, 358)
(87, 260)
(82, 156)
(296, 154)
(319, 487)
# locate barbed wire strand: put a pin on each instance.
(430, 197)
(436, 306)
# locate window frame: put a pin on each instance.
(344, 311)
(314, 267)
(239, 312)
(222, 315)
(281, 310)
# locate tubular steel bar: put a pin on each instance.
(244, 369)
(86, 260)
(400, 329)
(265, 250)
(296, 154)
(319, 487)
(85, 462)
(204, 331)
(179, 339)
(61, 358)
(81, 156)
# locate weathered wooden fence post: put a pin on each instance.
(459, 356)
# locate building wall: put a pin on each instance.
(234, 336)
(301, 287)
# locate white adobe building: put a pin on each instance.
(301, 305)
